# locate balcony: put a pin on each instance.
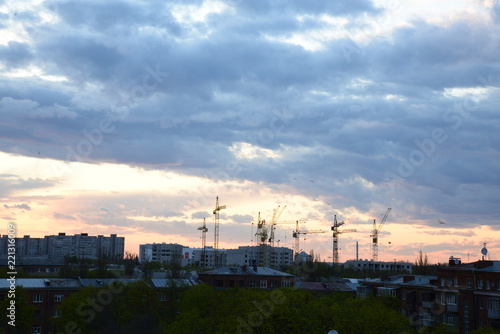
(493, 314)
(452, 308)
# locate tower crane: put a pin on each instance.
(296, 235)
(336, 232)
(374, 235)
(216, 230)
(204, 230)
(274, 221)
(265, 234)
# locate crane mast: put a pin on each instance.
(374, 235)
(204, 230)
(216, 231)
(336, 233)
(296, 235)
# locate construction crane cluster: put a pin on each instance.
(265, 235)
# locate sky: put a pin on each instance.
(130, 117)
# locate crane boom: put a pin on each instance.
(375, 233)
(296, 235)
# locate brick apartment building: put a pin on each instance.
(47, 294)
(247, 277)
(463, 296)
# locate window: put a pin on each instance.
(487, 284)
(481, 304)
(492, 304)
(252, 284)
(58, 298)
(450, 320)
(263, 284)
(163, 297)
(455, 281)
(57, 313)
(36, 330)
(285, 284)
(480, 284)
(38, 298)
(451, 299)
(442, 282)
(443, 299)
(468, 281)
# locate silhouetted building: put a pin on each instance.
(247, 277)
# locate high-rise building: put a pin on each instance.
(57, 247)
(163, 253)
(276, 257)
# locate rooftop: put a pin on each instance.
(255, 271)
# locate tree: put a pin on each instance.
(117, 308)
(24, 312)
(421, 266)
(130, 261)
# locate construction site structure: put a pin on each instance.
(204, 230)
(266, 235)
(216, 230)
(375, 233)
(296, 235)
(336, 233)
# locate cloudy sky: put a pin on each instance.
(130, 117)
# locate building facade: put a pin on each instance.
(169, 254)
(370, 265)
(57, 247)
(275, 257)
(465, 297)
(246, 277)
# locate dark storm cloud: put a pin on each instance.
(242, 219)
(15, 54)
(116, 16)
(352, 114)
(200, 215)
(18, 206)
(8, 183)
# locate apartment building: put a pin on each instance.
(465, 297)
(275, 257)
(57, 247)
